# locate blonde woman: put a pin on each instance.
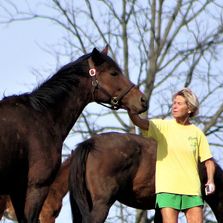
(181, 145)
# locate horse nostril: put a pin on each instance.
(144, 101)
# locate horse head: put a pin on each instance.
(111, 86)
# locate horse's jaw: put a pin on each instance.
(140, 122)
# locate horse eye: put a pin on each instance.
(114, 73)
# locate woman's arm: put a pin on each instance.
(210, 168)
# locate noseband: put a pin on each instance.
(115, 101)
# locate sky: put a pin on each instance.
(21, 53)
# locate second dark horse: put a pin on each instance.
(34, 125)
(121, 167)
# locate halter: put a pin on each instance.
(115, 100)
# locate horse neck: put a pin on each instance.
(70, 109)
(62, 103)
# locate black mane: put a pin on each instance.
(59, 85)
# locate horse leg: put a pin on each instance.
(9, 211)
(98, 214)
(18, 202)
(27, 208)
(35, 198)
(158, 216)
(3, 201)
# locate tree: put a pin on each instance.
(162, 46)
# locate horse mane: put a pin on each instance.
(59, 85)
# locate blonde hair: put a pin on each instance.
(191, 100)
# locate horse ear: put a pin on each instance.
(96, 57)
(105, 50)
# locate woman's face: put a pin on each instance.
(179, 107)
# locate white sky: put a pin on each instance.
(19, 54)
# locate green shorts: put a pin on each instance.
(178, 201)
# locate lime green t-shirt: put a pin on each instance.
(180, 148)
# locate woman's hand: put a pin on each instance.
(209, 188)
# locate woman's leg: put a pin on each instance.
(169, 215)
(194, 214)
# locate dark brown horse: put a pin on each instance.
(34, 125)
(121, 167)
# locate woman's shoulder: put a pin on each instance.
(162, 120)
(197, 129)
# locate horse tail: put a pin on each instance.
(76, 214)
(80, 200)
